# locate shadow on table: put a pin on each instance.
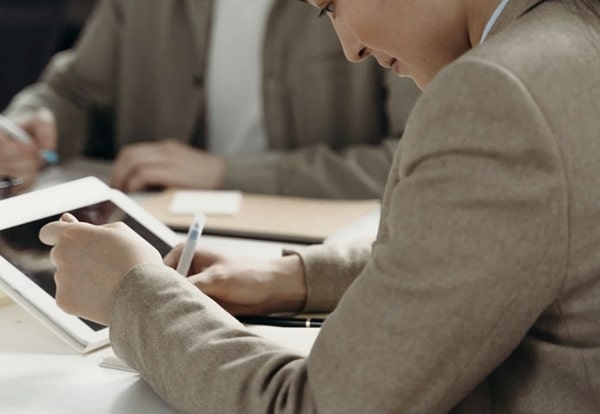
(140, 398)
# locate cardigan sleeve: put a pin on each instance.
(352, 171)
(355, 172)
(329, 270)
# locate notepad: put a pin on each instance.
(114, 362)
(271, 217)
(207, 202)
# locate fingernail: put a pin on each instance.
(68, 217)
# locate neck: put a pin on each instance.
(478, 14)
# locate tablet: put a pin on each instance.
(26, 272)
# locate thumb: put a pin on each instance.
(172, 258)
(68, 218)
(50, 233)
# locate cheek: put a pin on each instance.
(373, 29)
(382, 41)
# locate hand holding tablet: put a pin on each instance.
(91, 261)
(27, 270)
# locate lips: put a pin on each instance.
(396, 67)
(388, 64)
(392, 64)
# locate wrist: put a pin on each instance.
(291, 285)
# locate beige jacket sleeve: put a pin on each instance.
(329, 270)
(78, 83)
(471, 250)
(356, 172)
(352, 172)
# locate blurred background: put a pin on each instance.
(31, 31)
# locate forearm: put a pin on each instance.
(197, 356)
(353, 173)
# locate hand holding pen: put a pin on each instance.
(43, 129)
(245, 285)
(184, 264)
(23, 148)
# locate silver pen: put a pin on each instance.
(185, 260)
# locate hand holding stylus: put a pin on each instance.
(26, 146)
(246, 286)
(12, 130)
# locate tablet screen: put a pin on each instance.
(20, 245)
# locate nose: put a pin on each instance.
(353, 49)
(355, 52)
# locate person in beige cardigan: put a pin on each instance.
(481, 291)
(144, 85)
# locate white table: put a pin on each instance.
(41, 374)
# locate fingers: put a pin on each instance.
(41, 125)
(51, 232)
(22, 159)
(90, 261)
(16, 157)
(231, 293)
(172, 258)
(167, 163)
(131, 159)
(203, 258)
(213, 283)
(68, 218)
(147, 176)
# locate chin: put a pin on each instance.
(418, 80)
(421, 84)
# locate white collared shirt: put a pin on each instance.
(493, 20)
(234, 79)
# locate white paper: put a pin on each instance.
(114, 362)
(207, 202)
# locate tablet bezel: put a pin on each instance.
(51, 201)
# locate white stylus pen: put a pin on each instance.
(185, 260)
(18, 134)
